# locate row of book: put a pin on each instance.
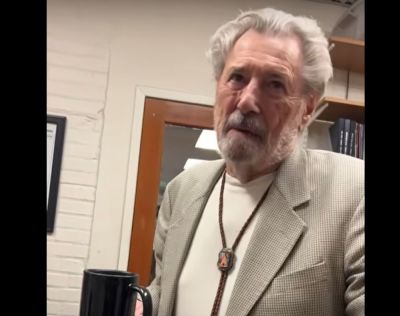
(347, 137)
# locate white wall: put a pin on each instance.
(77, 80)
(98, 54)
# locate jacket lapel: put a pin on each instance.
(181, 234)
(276, 233)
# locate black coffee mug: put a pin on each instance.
(112, 293)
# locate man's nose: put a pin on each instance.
(249, 99)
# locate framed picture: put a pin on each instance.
(55, 144)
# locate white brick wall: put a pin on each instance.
(58, 280)
(77, 74)
(61, 308)
(70, 206)
(70, 266)
(73, 221)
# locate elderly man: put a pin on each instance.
(272, 228)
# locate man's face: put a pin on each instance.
(259, 104)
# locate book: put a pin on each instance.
(356, 140)
(360, 141)
(363, 143)
(336, 132)
(346, 149)
(351, 142)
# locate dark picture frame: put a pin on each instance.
(55, 144)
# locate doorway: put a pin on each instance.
(169, 132)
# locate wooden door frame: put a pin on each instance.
(141, 93)
(158, 114)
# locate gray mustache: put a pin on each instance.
(248, 123)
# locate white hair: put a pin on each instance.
(317, 68)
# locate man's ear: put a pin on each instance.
(311, 102)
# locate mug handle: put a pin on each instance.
(146, 298)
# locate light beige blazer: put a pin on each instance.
(306, 254)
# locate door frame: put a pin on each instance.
(141, 93)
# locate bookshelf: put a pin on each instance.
(347, 54)
(338, 107)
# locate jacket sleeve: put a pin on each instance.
(354, 265)
(158, 247)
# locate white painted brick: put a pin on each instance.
(79, 164)
(66, 249)
(73, 221)
(78, 177)
(81, 151)
(68, 309)
(77, 211)
(75, 206)
(94, 78)
(62, 308)
(77, 73)
(53, 308)
(55, 279)
(51, 237)
(72, 46)
(75, 281)
(82, 137)
(76, 90)
(77, 192)
(72, 236)
(67, 112)
(79, 62)
(65, 295)
(81, 122)
(99, 125)
(88, 107)
(68, 265)
(85, 31)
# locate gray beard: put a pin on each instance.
(238, 150)
(247, 148)
(251, 150)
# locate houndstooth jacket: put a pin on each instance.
(306, 254)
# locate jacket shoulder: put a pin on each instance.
(196, 177)
(337, 170)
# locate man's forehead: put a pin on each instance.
(283, 45)
(275, 54)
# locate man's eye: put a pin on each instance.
(236, 81)
(276, 87)
(236, 77)
(276, 84)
